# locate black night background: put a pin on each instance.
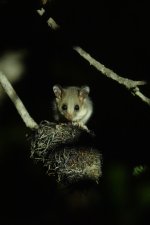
(114, 33)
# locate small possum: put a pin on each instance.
(72, 104)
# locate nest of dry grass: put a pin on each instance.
(66, 151)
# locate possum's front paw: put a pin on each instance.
(81, 125)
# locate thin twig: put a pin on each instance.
(131, 85)
(27, 119)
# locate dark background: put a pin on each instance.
(116, 34)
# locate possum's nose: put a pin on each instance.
(69, 116)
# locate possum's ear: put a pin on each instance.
(58, 91)
(84, 92)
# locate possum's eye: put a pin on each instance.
(64, 107)
(76, 107)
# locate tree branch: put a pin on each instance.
(131, 85)
(27, 119)
(106, 71)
